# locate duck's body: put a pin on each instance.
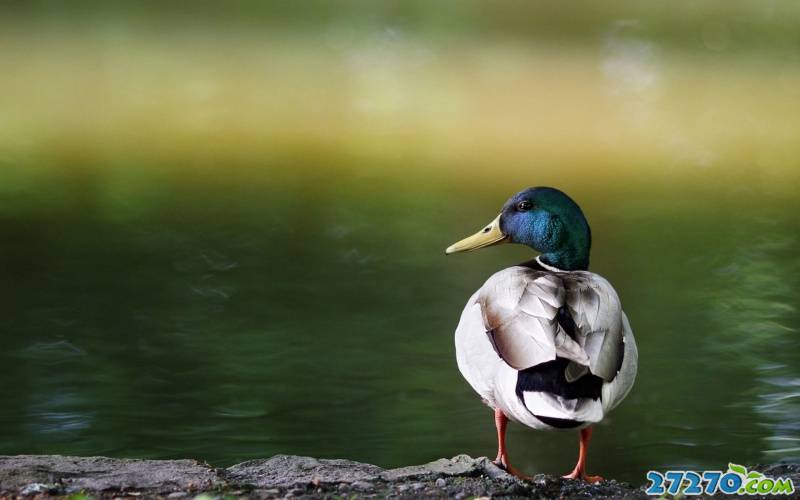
(550, 349)
(545, 343)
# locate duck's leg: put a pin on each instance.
(500, 422)
(579, 472)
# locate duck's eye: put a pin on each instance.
(524, 206)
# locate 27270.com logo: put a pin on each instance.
(736, 480)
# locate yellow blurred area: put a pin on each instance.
(623, 109)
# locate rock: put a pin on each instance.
(298, 477)
(493, 471)
(36, 489)
(780, 470)
(105, 474)
(287, 471)
(361, 485)
(460, 465)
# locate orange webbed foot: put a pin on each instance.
(579, 474)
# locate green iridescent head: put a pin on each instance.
(544, 219)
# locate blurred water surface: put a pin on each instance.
(237, 321)
(227, 247)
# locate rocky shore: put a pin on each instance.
(285, 476)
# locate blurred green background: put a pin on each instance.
(223, 223)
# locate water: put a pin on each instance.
(165, 316)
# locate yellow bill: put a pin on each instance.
(488, 236)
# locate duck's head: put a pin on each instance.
(544, 219)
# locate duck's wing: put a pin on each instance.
(595, 309)
(564, 334)
(520, 308)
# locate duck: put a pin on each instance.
(545, 343)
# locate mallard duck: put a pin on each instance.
(545, 343)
